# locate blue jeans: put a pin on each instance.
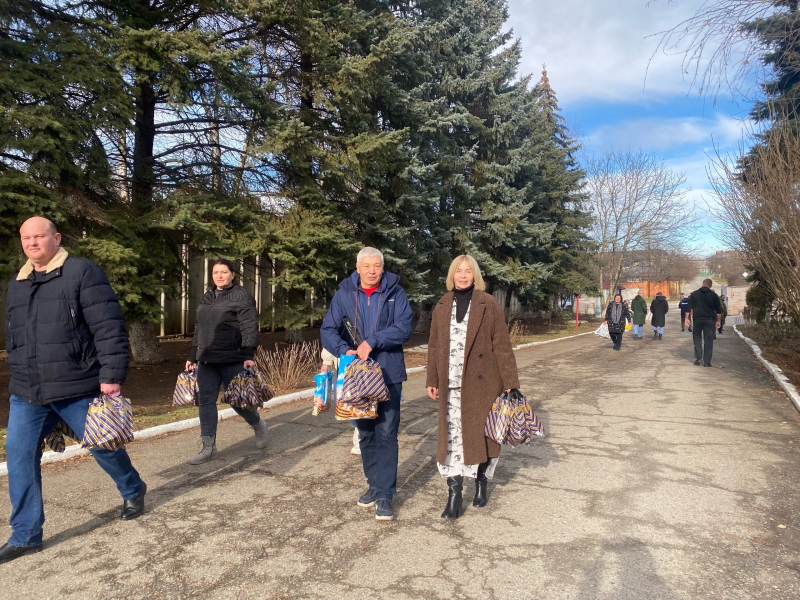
(658, 329)
(28, 425)
(209, 377)
(379, 449)
(637, 329)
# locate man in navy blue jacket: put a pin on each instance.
(684, 306)
(378, 308)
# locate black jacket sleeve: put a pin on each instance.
(103, 315)
(248, 326)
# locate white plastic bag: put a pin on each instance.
(602, 331)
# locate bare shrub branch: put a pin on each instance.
(760, 208)
(718, 51)
(289, 368)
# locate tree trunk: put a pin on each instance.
(145, 347)
(144, 138)
(424, 322)
(507, 307)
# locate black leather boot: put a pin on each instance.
(481, 484)
(453, 508)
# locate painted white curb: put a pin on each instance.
(569, 337)
(775, 370)
(76, 450)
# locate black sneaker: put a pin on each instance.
(697, 362)
(383, 509)
(367, 499)
(706, 364)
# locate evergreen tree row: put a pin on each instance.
(295, 130)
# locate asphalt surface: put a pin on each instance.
(657, 480)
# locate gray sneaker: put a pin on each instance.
(208, 450)
(367, 499)
(261, 434)
(383, 509)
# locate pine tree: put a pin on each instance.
(558, 196)
(474, 141)
(779, 35)
(60, 97)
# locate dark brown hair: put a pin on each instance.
(226, 262)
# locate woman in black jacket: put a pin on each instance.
(617, 315)
(225, 339)
(659, 307)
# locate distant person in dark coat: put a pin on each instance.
(617, 315)
(639, 309)
(66, 343)
(723, 301)
(706, 313)
(684, 306)
(659, 307)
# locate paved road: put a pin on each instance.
(658, 480)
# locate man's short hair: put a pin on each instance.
(368, 251)
(707, 283)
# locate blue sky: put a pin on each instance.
(598, 58)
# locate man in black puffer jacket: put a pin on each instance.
(66, 344)
(705, 312)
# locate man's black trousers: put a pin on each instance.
(703, 335)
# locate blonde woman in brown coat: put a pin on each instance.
(470, 363)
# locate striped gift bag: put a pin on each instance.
(362, 389)
(109, 423)
(248, 390)
(55, 440)
(512, 421)
(186, 391)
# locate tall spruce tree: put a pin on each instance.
(557, 185)
(474, 139)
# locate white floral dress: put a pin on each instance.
(454, 462)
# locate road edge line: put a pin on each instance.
(774, 370)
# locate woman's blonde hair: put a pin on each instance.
(476, 272)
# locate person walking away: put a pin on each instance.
(617, 315)
(66, 343)
(659, 307)
(639, 308)
(705, 312)
(683, 305)
(377, 306)
(470, 363)
(723, 303)
(224, 342)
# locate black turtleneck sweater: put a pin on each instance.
(462, 299)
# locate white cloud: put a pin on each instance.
(600, 50)
(664, 134)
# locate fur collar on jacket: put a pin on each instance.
(57, 261)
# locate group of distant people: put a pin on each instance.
(702, 311)
(67, 344)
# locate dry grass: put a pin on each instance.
(518, 331)
(289, 367)
(780, 344)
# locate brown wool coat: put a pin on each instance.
(489, 368)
